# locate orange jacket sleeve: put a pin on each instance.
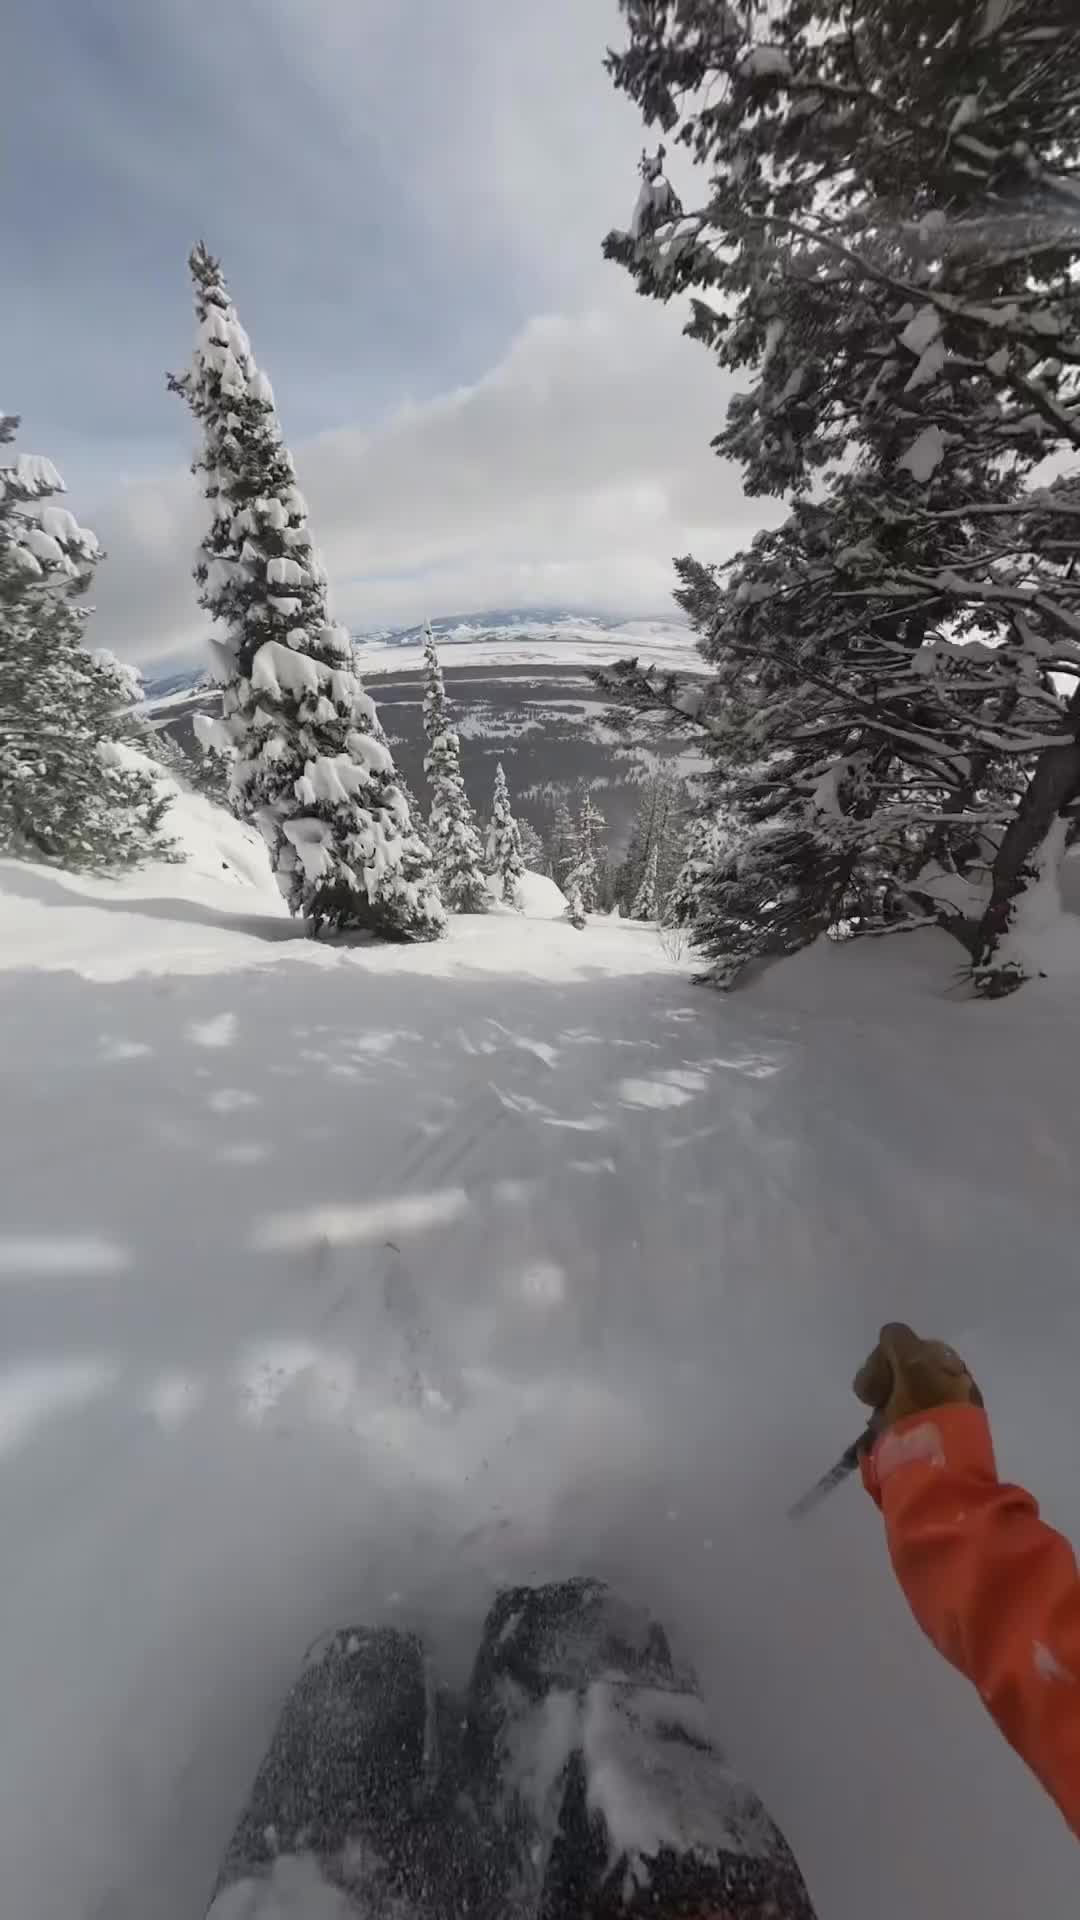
(995, 1588)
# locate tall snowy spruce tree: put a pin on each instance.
(453, 834)
(532, 847)
(658, 829)
(310, 764)
(712, 843)
(71, 792)
(887, 250)
(582, 882)
(505, 861)
(564, 842)
(646, 902)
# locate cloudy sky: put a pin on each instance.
(409, 199)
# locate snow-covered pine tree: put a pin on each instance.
(646, 903)
(712, 843)
(700, 858)
(311, 766)
(658, 825)
(605, 883)
(582, 880)
(564, 842)
(453, 834)
(632, 871)
(840, 806)
(505, 860)
(681, 809)
(532, 847)
(889, 241)
(72, 791)
(207, 772)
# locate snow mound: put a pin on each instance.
(214, 908)
(217, 847)
(218, 910)
(541, 898)
(294, 1890)
(538, 898)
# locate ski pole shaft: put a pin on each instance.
(837, 1473)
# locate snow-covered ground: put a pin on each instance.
(343, 1284)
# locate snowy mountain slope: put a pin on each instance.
(493, 621)
(223, 892)
(344, 1284)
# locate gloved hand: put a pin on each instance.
(907, 1375)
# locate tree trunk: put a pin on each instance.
(1055, 781)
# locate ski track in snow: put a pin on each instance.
(341, 1287)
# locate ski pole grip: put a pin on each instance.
(874, 1380)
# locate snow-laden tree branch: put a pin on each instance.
(886, 255)
(74, 787)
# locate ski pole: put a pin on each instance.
(837, 1473)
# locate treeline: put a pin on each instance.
(644, 884)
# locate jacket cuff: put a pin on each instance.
(953, 1436)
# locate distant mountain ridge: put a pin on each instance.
(513, 625)
(489, 623)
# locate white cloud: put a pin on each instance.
(573, 471)
(498, 119)
(449, 172)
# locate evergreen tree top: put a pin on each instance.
(207, 275)
(43, 542)
(434, 686)
(590, 818)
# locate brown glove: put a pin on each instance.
(907, 1375)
